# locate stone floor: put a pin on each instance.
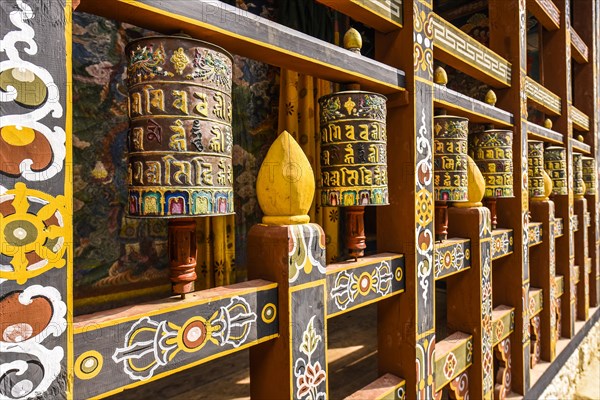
(588, 387)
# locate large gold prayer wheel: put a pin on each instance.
(353, 149)
(535, 169)
(589, 173)
(180, 137)
(450, 158)
(555, 161)
(492, 152)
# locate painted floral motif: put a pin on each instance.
(450, 365)
(26, 326)
(151, 344)
(348, 286)
(30, 149)
(306, 251)
(309, 376)
(33, 233)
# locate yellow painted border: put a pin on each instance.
(87, 301)
(466, 110)
(392, 390)
(68, 191)
(88, 326)
(366, 303)
(81, 374)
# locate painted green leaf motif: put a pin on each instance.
(310, 339)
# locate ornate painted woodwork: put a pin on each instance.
(36, 202)
(536, 337)
(535, 233)
(580, 53)
(558, 227)
(503, 383)
(503, 322)
(451, 256)
(543, 98)
(385, 15)
(580, 120)
(354, 284)
(124, 348)
(539, 132)
(460, 50)
(502, 243)
(453, 355)
(546, 12)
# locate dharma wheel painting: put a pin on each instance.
(180, 139)
(353, 149)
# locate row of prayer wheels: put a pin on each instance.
(181, 140)
(553, 162)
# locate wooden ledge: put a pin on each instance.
(387, 386)
(502, 243)
(354, 284)
(542, 98)
(581, 147)
(581, 122)
(580, 49)
(576, 273)
(249, 35)
(451, 257)
(535, 131)
(535, 302)
(503, 322)
(559, 280)
(545, 12)
(464, 106)
(381, 16)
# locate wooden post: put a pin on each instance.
(290, 251)
(508, 33)
(406, 324)
(36, 207)
(543, 273)
(581, 259)
(469, 296)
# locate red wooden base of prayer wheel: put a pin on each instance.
(182, 255)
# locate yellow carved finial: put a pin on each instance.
(490, 97)
(440, 76)
(548, 185)
(285, 185)
(476, 186)
(548, 123)
(580, 138)
(353, 40)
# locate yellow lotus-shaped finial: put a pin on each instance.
(285, 186)
(476, 186)
(548, 185)
(353, 40)
(491, 98)
(440, 76)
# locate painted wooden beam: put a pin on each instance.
(388, 387)
(535, 302)
(542, 98)
(580, 146)
(575, 222)
(580, 49)
(382, 15)
(477, 111)
(581, 122)
(538, 132)
(354, 284)
(502, 243)
(560, 285)
(503, 321)
(459, 50)
(451, 257)
(535, 233)
(126, 347)
(249, 35)
(546, 12)
(558, 227)
(453, 355)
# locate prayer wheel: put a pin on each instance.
(578, 184)
(353, 157)
(535, 169)
(555, 161)
(180, 139)
(450, 167)
(589, 173)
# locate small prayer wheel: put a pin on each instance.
(535, 169)
(180, 140)
(578, 184)
(589, 173)
(492, 152)
(353, 158)
(555, 161)
(450, 167)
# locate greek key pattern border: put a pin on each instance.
(542, 96)
(580, 119)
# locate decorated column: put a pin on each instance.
(35, 199)
(289, 250)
